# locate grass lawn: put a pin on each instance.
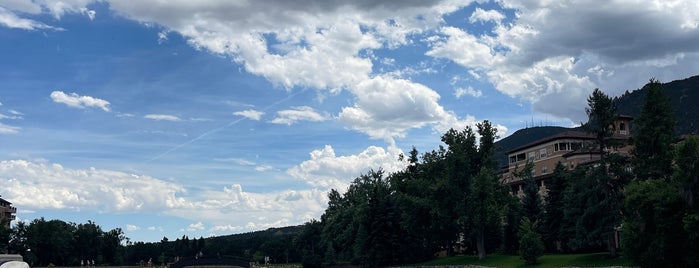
(549, 260)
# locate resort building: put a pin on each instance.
(570, 148)
(7, 212)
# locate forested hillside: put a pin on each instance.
(683, 95)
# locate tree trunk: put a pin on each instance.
(480, 244)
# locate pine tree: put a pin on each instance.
(554, 207)
(653, 136)
(531, 201)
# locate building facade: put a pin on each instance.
(570, 148)
(7, 212)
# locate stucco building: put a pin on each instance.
(570, 148)
(7, 212)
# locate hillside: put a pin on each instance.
(684, 99)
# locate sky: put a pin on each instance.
(215, 117)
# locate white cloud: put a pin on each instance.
(460, 92)
(486, 15)
(10, 117)
(155, 228)
(131, 227)
(326, 170)
(81, 102)
(11, 20)
(88, 12)
(250, 114)
(43, 185)
(7, 129)
(264, 168)
(162, 117)
(464, 49)
(195, 227)
(388, 107)
(51, 186)
(302, 113)
(23, 6)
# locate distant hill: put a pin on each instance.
(684, 99)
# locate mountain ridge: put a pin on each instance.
(683, 95)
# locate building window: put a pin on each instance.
(533, 172)
(575, 146)
(622, 128)
(543, 153)
(544, 170)
(532, 156)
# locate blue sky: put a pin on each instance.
(203, 118)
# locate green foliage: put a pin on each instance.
(653, 135)
(553, 218)
(652, 233)
(686, 177)
(530, 245)
(687, 171)
(601, 114)
(531, 201)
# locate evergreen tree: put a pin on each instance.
(531, 201)
(653, 234)
(601, 115)
(653, 136)
(686, 177)
(530, 245)
(554, 207)
(593, 198)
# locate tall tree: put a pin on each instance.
(484, 210)
(453, 191)
(653, 135)
(653, 234)
(686, 177)
(484, 207)
(554, 207)
(601, 115)
(531, 201)
(606, 179)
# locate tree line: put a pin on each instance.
(451, 200)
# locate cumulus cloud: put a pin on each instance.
(43, 185)
(326, 170)
(486, 15)
(51, 186)
(388, 107)
(553, 54)
(162, 117)
(81, 102)
(131, 227)
(250, 114)
(296, 114)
